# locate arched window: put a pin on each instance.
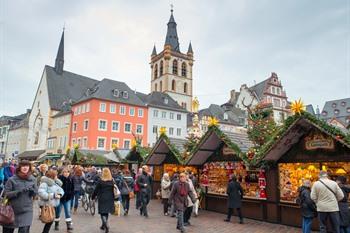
(185, 88)
(156, 71)
(175, 67)
(155, 87)
(161, 68)
(173, 85)
(160, 86)
(183, 69)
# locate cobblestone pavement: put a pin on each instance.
(206, 222)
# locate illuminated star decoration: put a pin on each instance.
(162, 130)
(114, 146)
(297, 107)
(213, 121)
(133, 143)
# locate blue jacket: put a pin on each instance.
(47, 190)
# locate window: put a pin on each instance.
(173, 85)
(175, 67)
(83, 108)
(277, 102)
(336, 111)
(278, 91)
(126, 144)
(127, 128)
(125, 95)
(50, 143)
(155, 129)
(114, 143)
(112, 108)
(85, 145)
(225, 116)
(79, 110)
(79, 142)
(116, 93)
(140, 113)
(171, 131)
(155, 113)
(102, 107)
(156, 87)
(73, 142)
(171, 116)
(178, 132)
(88, 107)
(156, 71)
(273, 90)
(166, 100)
(183, 105)
(334, 105)
(343, 103)
(102, 125)
(86, 125)
(115, 126)
(185, 87)
(64, 142)
(139, 129)
(163, 114)
(178, 117)
(132, 111)
(75, 126)
(160, 86)
(161, 68)
(324, 113)
(122, 110)
(101, 143)
(183, 69)
(75, 111)
(348, 109)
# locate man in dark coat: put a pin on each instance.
(343, 205)
(235, 196)
(179, 193)
(144, 181)
(307, 205)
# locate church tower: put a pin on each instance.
(172, 69)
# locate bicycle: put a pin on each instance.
(87, 202)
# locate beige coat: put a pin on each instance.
(165, 185)
(325, 200)
(190, 203)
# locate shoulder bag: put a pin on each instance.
(131, 193)
(7, 216)
(329, 190)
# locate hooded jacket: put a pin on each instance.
(48, 189)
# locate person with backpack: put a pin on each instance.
(307, 205)
(326, 193)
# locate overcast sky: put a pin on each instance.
(235, 42)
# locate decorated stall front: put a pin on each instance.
(167, 156)
(219, 155)
(298, 151)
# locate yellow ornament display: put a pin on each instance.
(297, 107)
(213, 121)
(162, 130)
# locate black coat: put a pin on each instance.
(307, 205)
(68, 188)
(344, 207)
(145, 183)
(235, 194)
(105, 196)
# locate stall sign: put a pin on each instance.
(318, 141)
(228, 151)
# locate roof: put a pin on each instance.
(190, 50)
(217, 111)
(154, 51)
(158, 99)
(62, 113)
(259, 89)
(66, 88)
(171, 35)
(310, 109)
(339, 109)
(31, 154)
(105, 90)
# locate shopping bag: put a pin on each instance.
(7, 216)
(117, 208)
(47, 214)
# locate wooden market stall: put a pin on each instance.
(303, 147)
(167, 156)
(218, 155)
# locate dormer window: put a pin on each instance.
(225, 116)
(343, 103)
(125, 95)
(324, 113)
(348, 110)
(116, 92)
(336, 111)
(334, 105)
(166, 100)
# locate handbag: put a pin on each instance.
(47, 214)
(116, 190)
(131, 193)
(7, 216)
(117, 208)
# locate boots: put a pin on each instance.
(69, 226)
(57, 225)
(104, 226)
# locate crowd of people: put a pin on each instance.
(62, 188)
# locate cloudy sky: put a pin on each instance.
(305, 42)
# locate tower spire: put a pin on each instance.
(154, 52)
(171, 35)
(60, 55)
(190, 50)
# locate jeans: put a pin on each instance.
(344, 229)
(145, 198)
(335, 221)
(230, 212)
(138, 199)
(180, 220)
(126, 202)
(75, 200)
(25, 229)
(306, 225)
(67, 213)
(187, 214)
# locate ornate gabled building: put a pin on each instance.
(172, 69)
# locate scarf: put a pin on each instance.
(23, 176)
(183, 191)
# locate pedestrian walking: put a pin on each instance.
(145, 183)
(179, 195)
(174, 179)
(20, 189)
(50, 193)
(127, 184)
(326, 193)
(137, 190)
(344, 205)
(189, 209)
(165, 192)
(235, 196)
(104, 192)
(307, 205)
(77, 182)
(65, 202)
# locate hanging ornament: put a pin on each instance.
(213, 121)
(297, 107)
(162, 130)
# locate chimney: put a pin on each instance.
(232, 96)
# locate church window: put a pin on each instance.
(161, 68)
(160, 86)
(185, 88)
(183, 69)
(175, 67)
(36, 140)
(173, 85)
(156, 71)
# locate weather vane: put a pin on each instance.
(172, 8)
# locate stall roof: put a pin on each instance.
(213, 139)
(101, 156)
(291, 134)
(166, 150)
(31, 154)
